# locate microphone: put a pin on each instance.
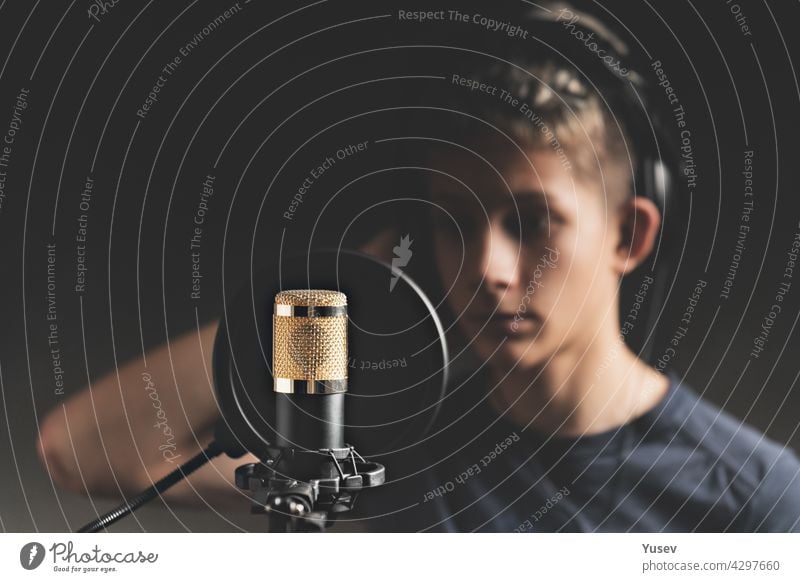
(303, 339)
(311, 474)
(309, 367)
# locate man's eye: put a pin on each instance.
(529, 227)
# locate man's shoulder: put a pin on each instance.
(721, 435)
(763, 473)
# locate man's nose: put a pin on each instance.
(499, 258)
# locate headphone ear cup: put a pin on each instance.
(659, 181)
(650, 281)
(662, 183)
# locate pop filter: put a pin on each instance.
(398, 362)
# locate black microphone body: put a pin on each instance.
(309, 422)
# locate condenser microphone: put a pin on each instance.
(309, 367)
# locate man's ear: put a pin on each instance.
(638, 222)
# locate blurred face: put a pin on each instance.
(527, 256)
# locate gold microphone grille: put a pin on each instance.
(310, 343)
(307, 297)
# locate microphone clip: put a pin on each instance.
(304, 490)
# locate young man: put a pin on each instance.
(562, 427)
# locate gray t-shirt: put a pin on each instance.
(683, 466)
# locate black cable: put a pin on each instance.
(150, 493)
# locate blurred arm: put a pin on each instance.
(133, 426)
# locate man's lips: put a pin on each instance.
(507, 322)
(502, 315)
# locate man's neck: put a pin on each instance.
(579, 392)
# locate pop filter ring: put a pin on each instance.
(228, 381)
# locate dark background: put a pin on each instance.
(259, 81)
